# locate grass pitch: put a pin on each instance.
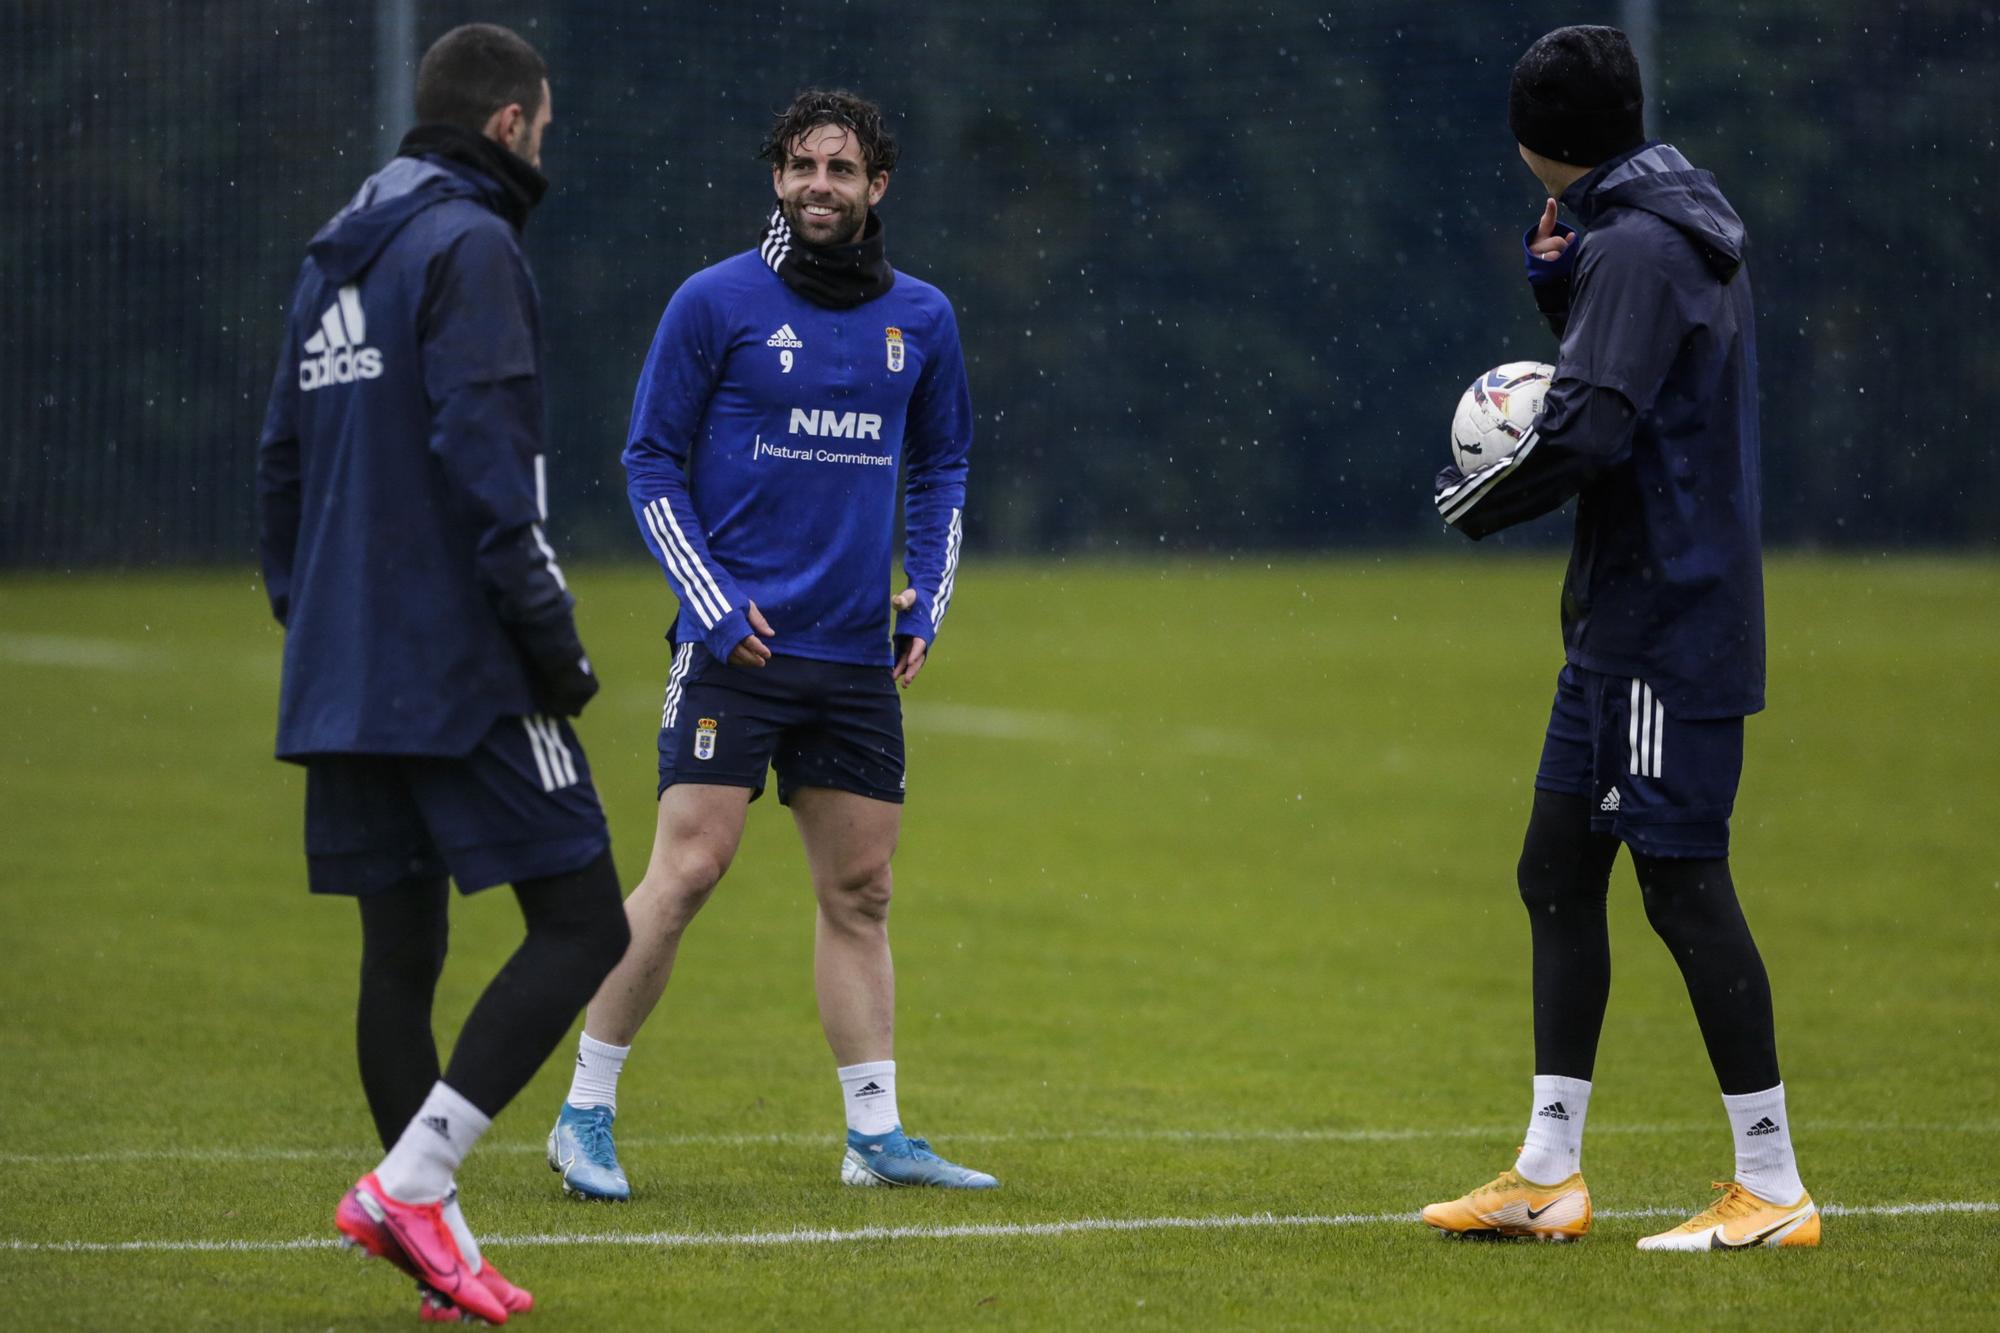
(1207, 946)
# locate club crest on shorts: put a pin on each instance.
(895, 337)
(704, 738)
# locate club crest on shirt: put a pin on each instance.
(704, 738)
(895, 338)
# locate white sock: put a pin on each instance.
(598, 1064)
(1553, 1150)
(468, 1248)
(869, 1092)
(420, 1167)
(1764, 1162)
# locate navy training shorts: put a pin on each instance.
(520, 806)
(1662, 785)
(820, 724)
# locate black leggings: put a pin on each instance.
(1565, 876)
(576, 934)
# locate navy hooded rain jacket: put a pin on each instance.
(400, 478)
(1651, 422)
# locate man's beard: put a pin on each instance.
(846, 224)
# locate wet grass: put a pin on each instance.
(1205, 911)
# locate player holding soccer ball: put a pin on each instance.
(782, 390)
(1651, 422)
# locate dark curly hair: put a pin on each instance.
(818, 106)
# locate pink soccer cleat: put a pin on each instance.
(518, 1300)
(433, 1308)
(415, 1238)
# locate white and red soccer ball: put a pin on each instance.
(1494, 414)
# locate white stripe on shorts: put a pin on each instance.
(1632, 724)
(1646, 731)
(676, 682)
(541, 756)
(1645, 728)
(552, 757)
(1659, 736)
(561, 759)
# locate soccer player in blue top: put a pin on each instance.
(1651, 422)
(430, 653)
(783, 390)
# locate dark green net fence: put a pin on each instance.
(1221, 270)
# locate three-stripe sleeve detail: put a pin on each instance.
(553, 760)
(676, 683)
(703, 593)
(542, 511)
(1646, 731)
(1455, 502)
(948, 581)
(548, 556)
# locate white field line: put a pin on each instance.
(974, 1231)
(357, 1152)
(72, 650)
(1005, 724)
(988, 722)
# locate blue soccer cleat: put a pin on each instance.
(580, 1147)
(896, 1159)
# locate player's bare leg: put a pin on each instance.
(694, 841)
(698, 831)
(849, 841)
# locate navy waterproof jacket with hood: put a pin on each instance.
(1651, 422)
(400, 477)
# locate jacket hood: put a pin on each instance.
(385, 203)
(1656, 179)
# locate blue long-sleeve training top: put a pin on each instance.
(761, 462)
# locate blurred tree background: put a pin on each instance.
(1221, 269)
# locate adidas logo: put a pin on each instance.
(1762, 1127)
(784, 337)
(1610, 801)
(1554, 1111)
(869, 1089)
(579, 1054)
(440, 1124)
(336, 355)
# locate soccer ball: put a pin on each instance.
(1494, 414)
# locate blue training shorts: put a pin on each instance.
(520, 806)
(820, 724)
(1663, 786)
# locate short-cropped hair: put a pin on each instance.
(473, 71)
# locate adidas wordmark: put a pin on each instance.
(336, 355)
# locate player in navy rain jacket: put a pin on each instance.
(785, 389)
(1651, 423)
(402, 547)
(430, 654)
